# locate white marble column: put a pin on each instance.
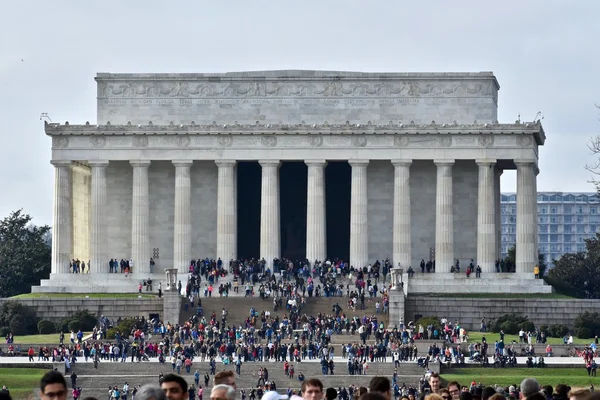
(526, 257)
(226, 215)
(498, 204)
(140, 214)
(182, 237)
(359, 228)
(98, 226)
(62, 228)
(401, 225)
(270, 239)
(486, 216)
(316, 236)
(444, 214)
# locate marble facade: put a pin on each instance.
(426, 152)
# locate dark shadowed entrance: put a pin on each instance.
(248, 209)
(293, 181)
(337, 208)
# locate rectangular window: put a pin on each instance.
(567, 219)
(593, 210)
(567, 210)
(568, 238)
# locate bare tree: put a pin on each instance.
(594, 146)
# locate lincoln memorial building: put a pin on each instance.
(292, 164)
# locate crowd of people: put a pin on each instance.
(53, 386)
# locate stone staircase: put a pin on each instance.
(238, 307)
(97, 381)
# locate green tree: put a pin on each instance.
(578, 274)
(511, 256)
(25, 254)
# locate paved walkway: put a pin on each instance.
(575, 361)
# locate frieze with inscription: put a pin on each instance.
(398, 88)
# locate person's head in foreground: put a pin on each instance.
(174, 386)
(53, 386)
(312, 389)
(372, 396)
(224, 392)
(434, 382)
(381, 385)
(530, 389)
(225, 378)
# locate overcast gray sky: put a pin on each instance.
(543, 52)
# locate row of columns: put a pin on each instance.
(316, 245)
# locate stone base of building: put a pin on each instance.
(100, 283)
(492, 283)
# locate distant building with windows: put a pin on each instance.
(565, 220)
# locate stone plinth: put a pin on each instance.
(171, 307)
(489, 283)
(397, 315)
(98, 283)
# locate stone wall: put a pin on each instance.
(204, 209)
(161, 177)
(56, 309)
(422, 209)
(119, 189)
(380, 206)
(470, 311)
(465, 182)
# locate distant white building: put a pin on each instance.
(565, 220)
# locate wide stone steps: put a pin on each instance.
(239, 308)
(111, 374)
(309, 368)
(99, 385)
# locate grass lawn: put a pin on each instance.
(21, 382)
(44, 339)
(492, 337)
(575, 377)
(82, 296)
(500, 295)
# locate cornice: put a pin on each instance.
(519, 128)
